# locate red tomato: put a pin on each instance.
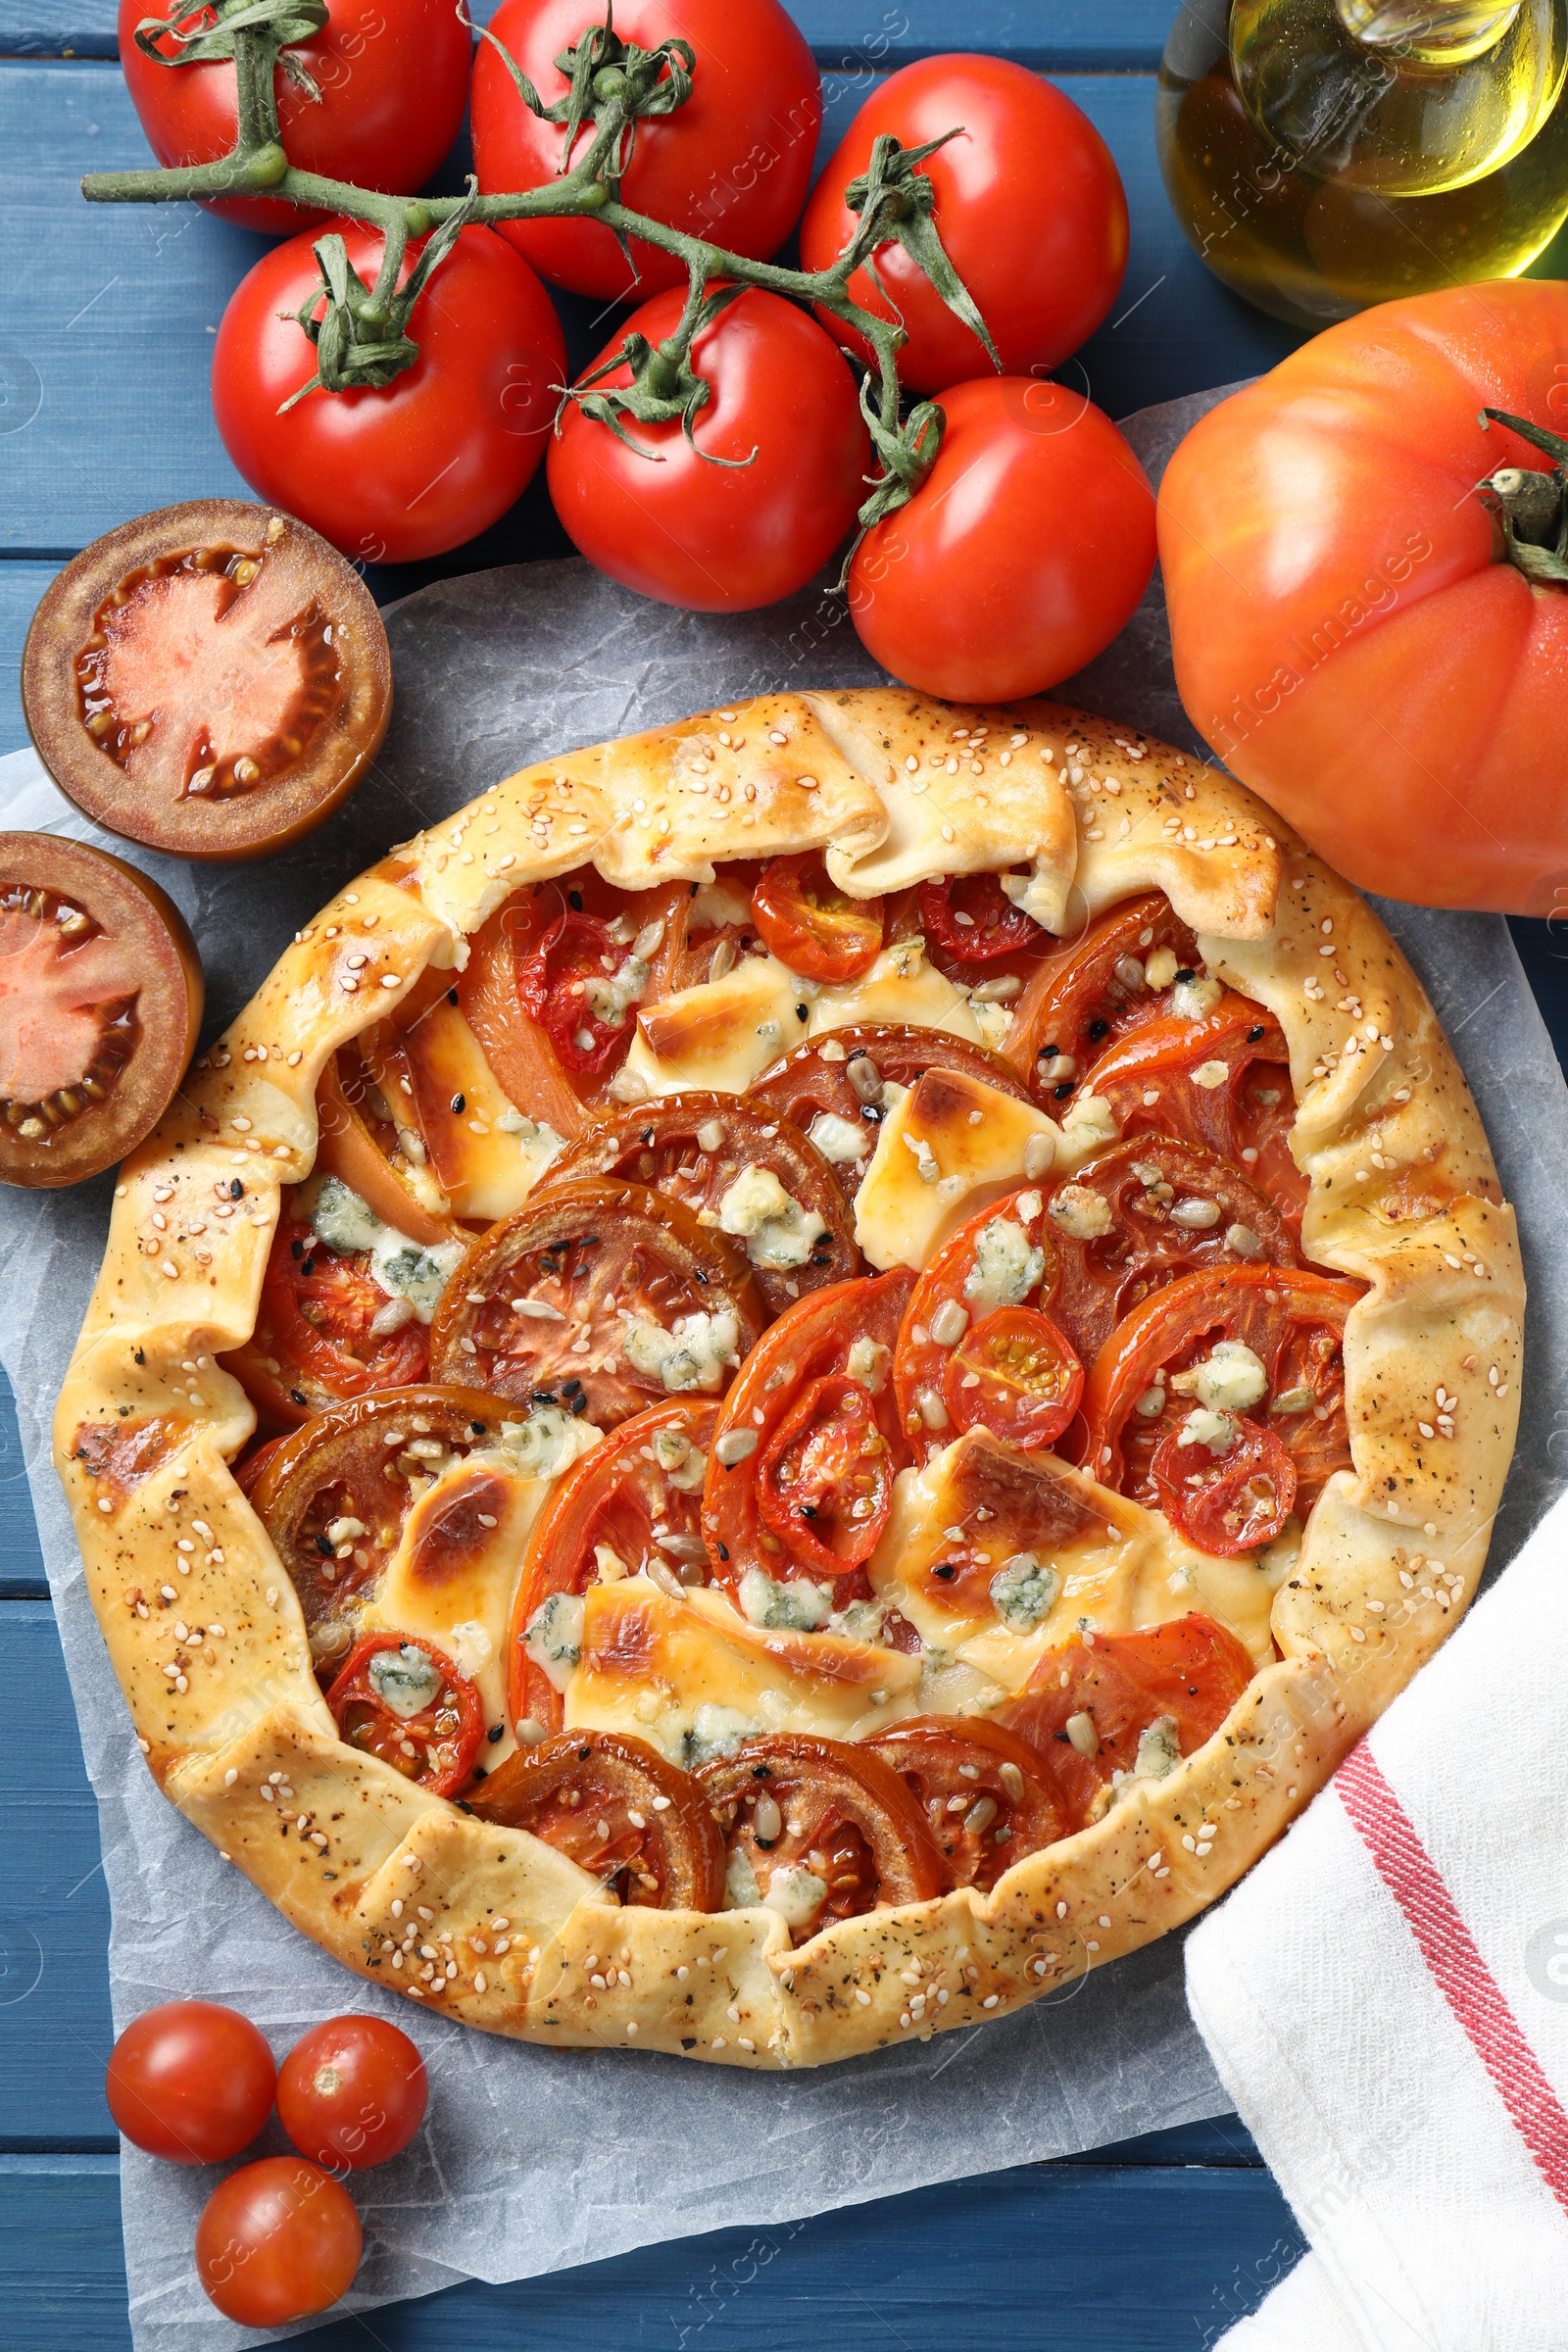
(553, 981)
(722, 538)
(397, 1697)
(1226, 1502)
(812, 926)
(393, 76)
(444, 451)
(1015, 1374)
(1088, 992)
(1029, 208)
(732, 165)
(824, 1486)
(1027, 575)
(353, 2092)
(277, 2242)
(190, 2081)
(971, 919)
(315, 1340)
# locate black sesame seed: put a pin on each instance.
(808, 1510)
(761, 1772)
(688, 2042)
(323, 1548)
(724, 1551)
(479, 1773)
(1099, 1029)
(496, 1730)
(236, 1191)
(544, 1395)
(647, 1135)
(459, 1103)
(699, 1276)
(1047, 1052)
(461, 1807)
(451, 996)
(296, 1249)
(570, 1387)
(575, 900)
(1254, 1037)
(947, 1572)
(141, 1356)
(298, 1395)
(801, 1014)
(479, 1428)
(308, 1267)
(1185, 974)
(1061, 1093)
(579, 1404)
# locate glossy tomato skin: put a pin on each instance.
(444, 451)
(351, 2091)
(1343, 632)
(1030, 210)
(190, 2081)
(732, 165)
(277, 2242)
(1029, 573)
(393, 76)
(722, 538)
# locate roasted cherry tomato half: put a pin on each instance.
(1090, 991)
(818, 1831)
(647, 1474)
(1225, 1499)
(565, 983)
(352, 2093)
(604, 1291)
(619, 1810)
(212, 680)
(190, 2081)
(1004, 1255)
(715, 1154)
(325, 1331)
(987, 1795)
(812, 925)
(1086, 1710)
(825, 1480)
(971, 919)
(100, 1002)
(1015, 1373)
(399, 1698)
(277, 2242)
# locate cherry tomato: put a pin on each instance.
(664, 517)
(1225, 1502)
(351, 2091)
(824, 1481)
(392, 78)
(399, 1698)
(277, 2240)
(1090, 991)
(190, 2081)
(813, 927)
(439, 455)
(826, 1830)
(648, 1473)
(732, 165)
(619, 1810)
(987, 1795)
(556, 984)
(316, 1339)
(971, 919)
(1029, 208)
(1015, 1373)
(1004, 1255)
(1032, 571)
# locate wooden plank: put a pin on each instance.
(21, 586)
(1145, 2261)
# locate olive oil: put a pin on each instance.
(1322, 155)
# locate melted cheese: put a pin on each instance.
(719, 1035)
(488, 1156)
(650, 1665)
(946, 1149)
(901, 986)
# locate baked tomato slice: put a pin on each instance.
(1002, 1256)
(604, 1297)
(367, 1135)
(831, 1086)
(335, 1496)
(1264, 1341)
(970, 919)
(809, 923)
(1087, 1708)
(100, 1003)
(1228, 1494)
(813, 1401)
(747, 1171)
(1015, 1373)
(325, 1330)
(637, 1498)
(401, 1698)
(988, 1798)
(818, 1831)
(1092, 990)
(617, 1809)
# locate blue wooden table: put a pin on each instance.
(104, 339)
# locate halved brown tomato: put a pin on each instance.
(1085, 1707)
(695, 1147)
(1293, 1323)
(841, 1076)
(809, 923)
(401, 1698)
(1222, 1083)
(970, 919)
(639, 1495)
(1092, 992)
(843, 1336)
(100, 1002)
(604, 1297)
(967, 1281)
(334, 1496)
(359, 1140)
(212, 679)
(617, 1809)
(1172, 1209)
(317, 1341)
(988, 1798)
(1015, 1374)
(825, 1830)
(1229, 1499)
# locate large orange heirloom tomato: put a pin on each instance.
(1358, 573)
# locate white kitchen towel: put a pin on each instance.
(1386, 2000)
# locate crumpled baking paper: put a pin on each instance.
(533, 2160)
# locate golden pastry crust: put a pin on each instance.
(204, 1627)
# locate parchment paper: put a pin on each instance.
(535, 2160)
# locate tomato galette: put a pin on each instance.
(795, 1378)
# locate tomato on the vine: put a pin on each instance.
(732, 165)
(812, 925)
(277, 2240)
(1029, 208)
(439, 455)
(1032, 571)
(393, 76)
(784, 427)
(190, 2081)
